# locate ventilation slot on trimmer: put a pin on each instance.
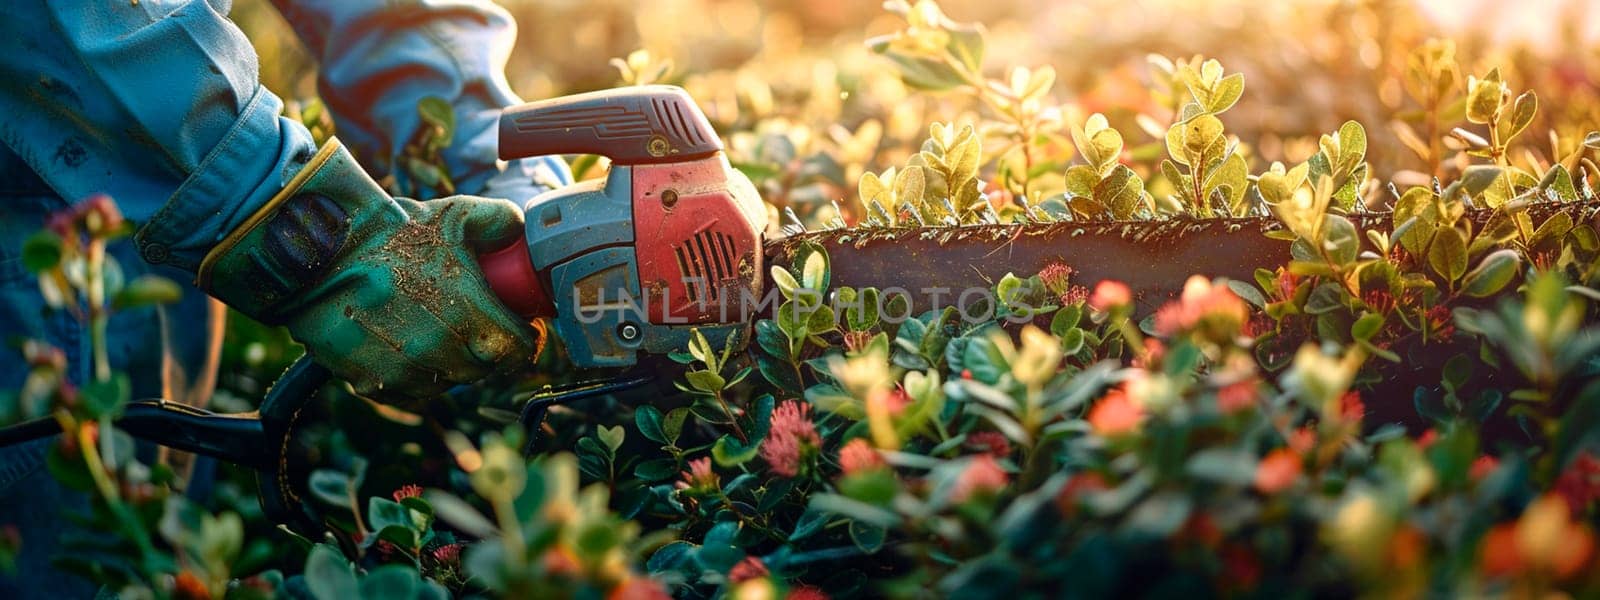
(705, 261)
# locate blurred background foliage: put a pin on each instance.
(788, 80)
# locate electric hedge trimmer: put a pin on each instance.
(671, 239)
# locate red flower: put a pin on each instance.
(1351, 407)
(1110, 294)
(1080, 485)
(747, 569)
(1115, 414)
(990, 442)
(1236, 397)
(1427, 438)
(1482, 467)
(1241, 568)
(791, 435)
(982, 476)
(1579, 484)
(858, 456)
(407, 491)
(1279, 470)
(855, 341)
(806, 592)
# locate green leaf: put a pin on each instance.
(1485, 97)
(1326, 297)
(1492, 273)
(1367, 326)
(146, 290)
(648, 419)
(706, 381)
(391, 582)
(730, 452)
(1352, 144)
(1341, 238)
(1226, 93)
(437, 112)
(41, 251)
(672, 424)
(106, 397)
(785, 281)
(1120, 192)
(383, 512)
(329, 576)
(1448, 255)
(1477, 178)
(1222, 465)
(613, 436)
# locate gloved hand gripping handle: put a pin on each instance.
(641, 125)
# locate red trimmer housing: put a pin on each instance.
(669, 239)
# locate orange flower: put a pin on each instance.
(639, 588)
(1407, 547)
(1279, 470)
(1115, 414)
(858, 456)
(1499, 551)
(1303, 440)
(188, 586)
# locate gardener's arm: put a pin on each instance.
(379, 59)
(155, 102)
(158, 104)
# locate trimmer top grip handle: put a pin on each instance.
(634, 125)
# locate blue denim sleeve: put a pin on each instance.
(155, 102)
(379, 58)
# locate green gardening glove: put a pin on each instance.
(385, 292)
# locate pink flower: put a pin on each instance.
(790, 437)
(982, 476)
(699, 477)
(1214, 310)
(409, 490)
(749, 568)
(993, 443)
(858, 456)
(1236, 397)
(448, 554)
(1110, 294)
(1056, 276)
